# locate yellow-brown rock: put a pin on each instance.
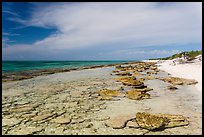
(150, 77)
(179, 81)
(150, 122)
(131, 81)
(125, 73)
(107, 94)
(174, 120)
(160, 121)
(137, 94)
(136, 73)
(125, 78)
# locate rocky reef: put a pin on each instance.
(108, 94)
(179, 81)
(136, 78)
(137, 94)
(160, 121)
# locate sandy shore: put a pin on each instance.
(189, 71)
(67, 103)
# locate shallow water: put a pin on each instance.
(13, 66)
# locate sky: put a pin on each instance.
(99, 31)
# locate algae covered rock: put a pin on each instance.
(174, 120)
(150, 122)
(137, 94)
(160, 121)
(108, 93)
(179, 81)
(131, 81)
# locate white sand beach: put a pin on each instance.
(188, 70)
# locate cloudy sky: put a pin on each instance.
(99, 31)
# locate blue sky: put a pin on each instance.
(99, 31)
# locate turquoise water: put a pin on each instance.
(13, 66)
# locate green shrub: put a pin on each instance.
(191, 54)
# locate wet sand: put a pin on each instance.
(67, 103)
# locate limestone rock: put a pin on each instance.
(160, 121)
(132, 124)
(119, 121)
(150, 122)
(10, 122)
(71, 104)
(22, 108)
(179, 81)
(101, 117)
(77, 120)
(76, 94)
(137, 95)
(61, 120)
(144, 90)
(150, 77)
(151, 72)
(25, 130)
(108, 94)
(42, 117)
(174, 120)
(153, 68)
(125, 73)
(172, 87)
(132, 82)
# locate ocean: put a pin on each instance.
(15, 66)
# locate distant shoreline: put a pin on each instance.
(27, 74)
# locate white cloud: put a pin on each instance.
(10, 34)
(82, 25)
(10, 12)
(85, 24)
(6, 42)
(165, 52)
